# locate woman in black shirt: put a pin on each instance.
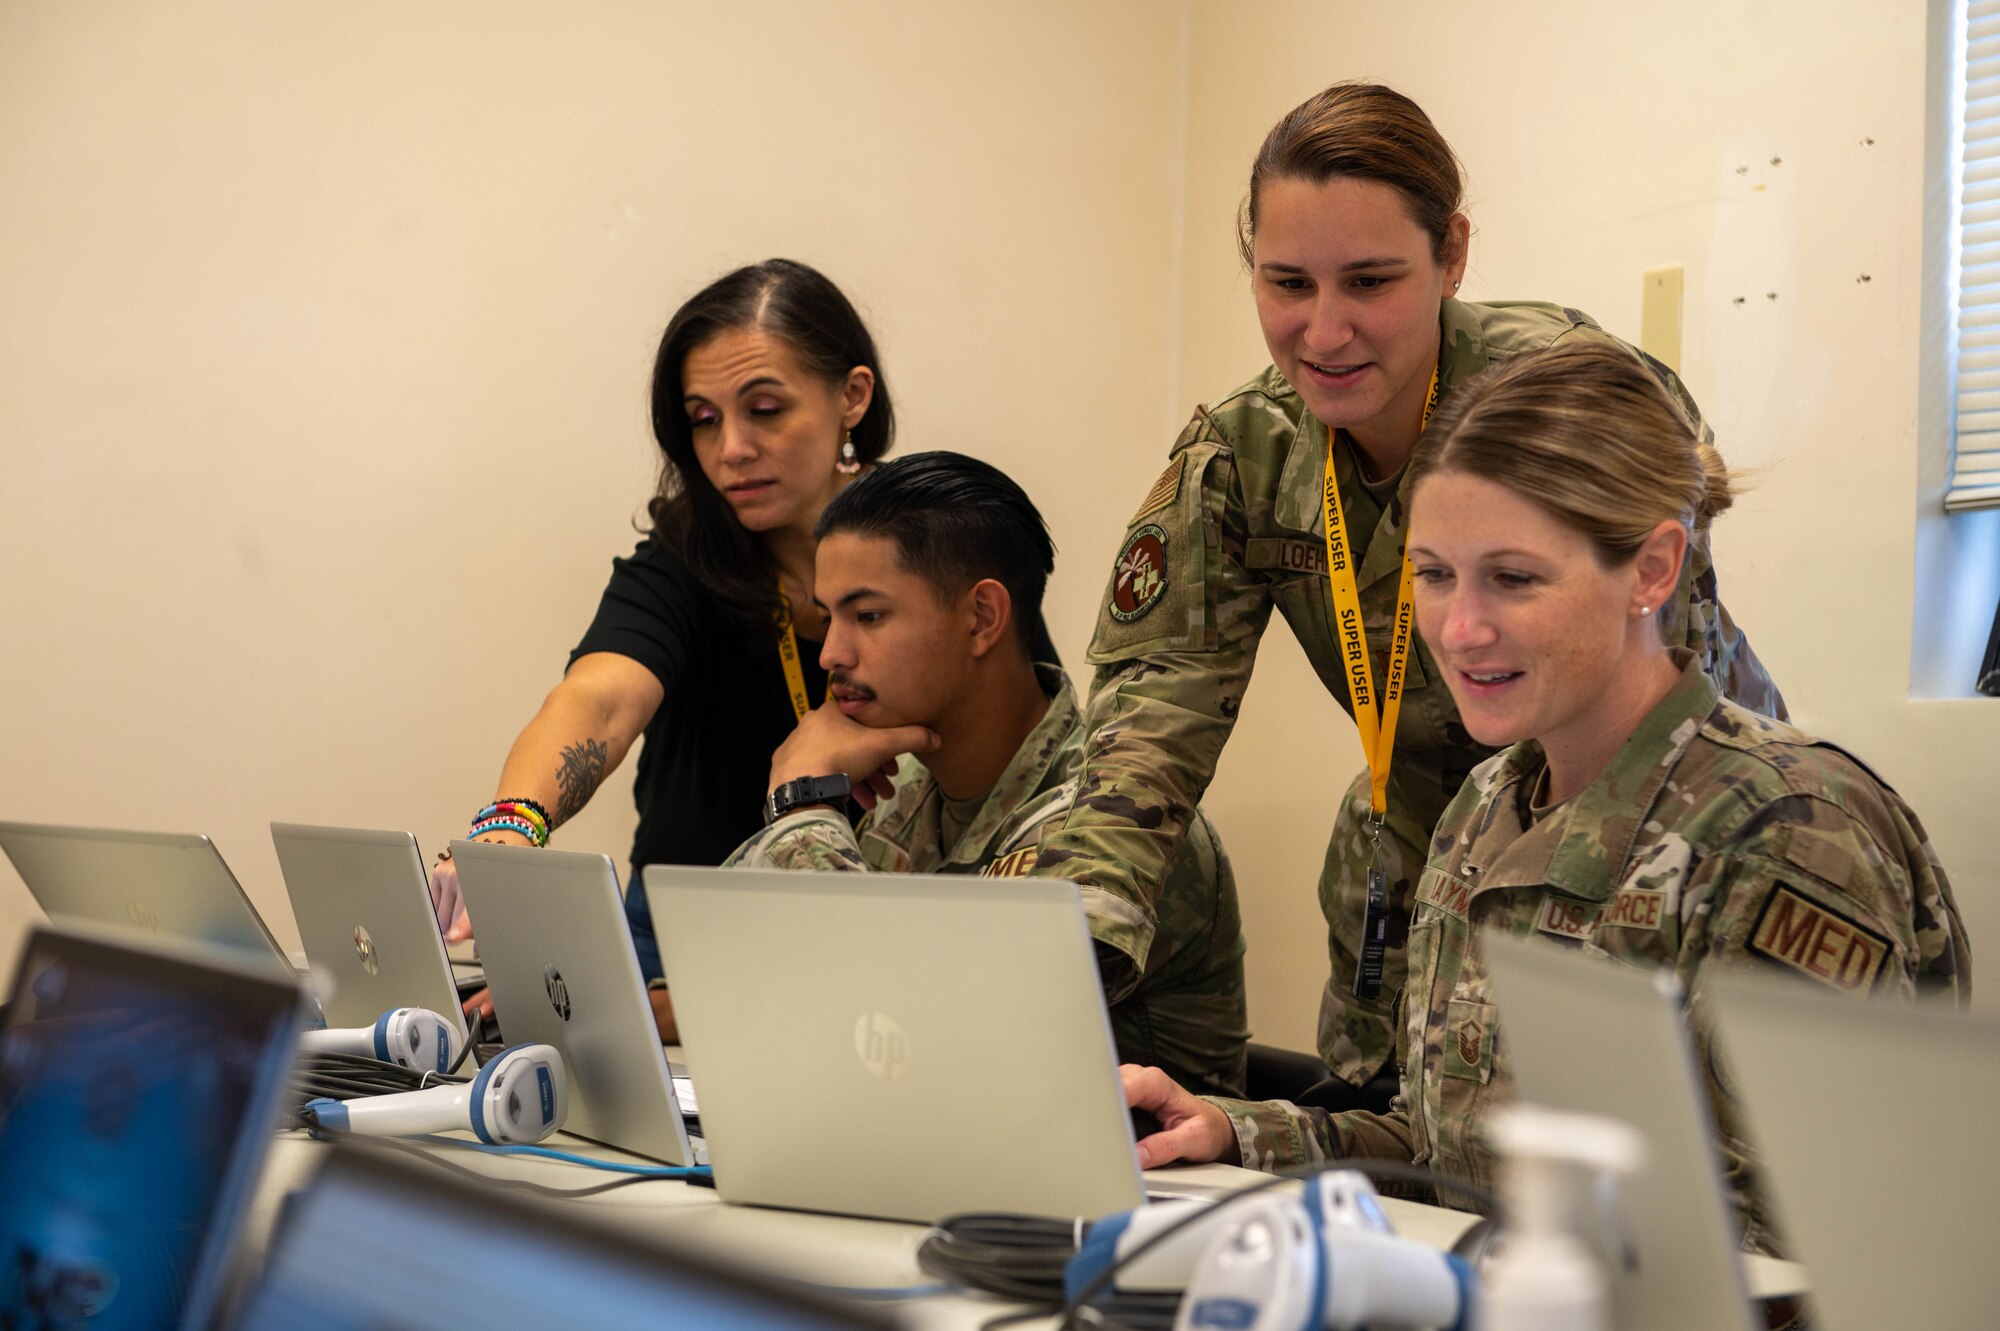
(767, 399)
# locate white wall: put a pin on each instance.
(327, 331)
(1603, 140)
(326, 334)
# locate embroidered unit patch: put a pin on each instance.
(1139, 579)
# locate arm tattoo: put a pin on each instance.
(581, 769)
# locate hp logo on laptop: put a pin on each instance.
(364, 948)
(883, 1047)
(558, 988)
(142, 916)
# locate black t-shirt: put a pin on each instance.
(706, 757)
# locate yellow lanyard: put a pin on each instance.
(795, 676)
(1378, 736)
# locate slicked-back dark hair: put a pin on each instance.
(955, 520)
(798, 304)
(1361, 131)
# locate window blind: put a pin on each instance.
(1975, 475)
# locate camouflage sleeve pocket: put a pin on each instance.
(1162, 590)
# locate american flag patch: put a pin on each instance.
(1164, 492)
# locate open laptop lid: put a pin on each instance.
(559, 960)
(139, 1087)
(1894, 1224)
(363, 906)
(1589, 1034)
(378, 1241)
(901, 1046)
(160, 883)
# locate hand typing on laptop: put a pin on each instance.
(1191, 1129)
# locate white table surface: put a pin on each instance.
(836, 1251)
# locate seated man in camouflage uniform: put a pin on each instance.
(931, 570)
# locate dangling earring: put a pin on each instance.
(850, 461)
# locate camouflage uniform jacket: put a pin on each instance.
(1186, 1014)
(1234, 526)
(1716, 838)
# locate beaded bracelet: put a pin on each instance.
(526, 810)
(507, 823)
(521, 804)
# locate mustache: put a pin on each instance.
(843, 681)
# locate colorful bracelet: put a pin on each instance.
(526, 810)
(507, 823)
(534, 812)
(519, 815)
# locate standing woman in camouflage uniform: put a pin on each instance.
(1639, 814)
(1356, 244)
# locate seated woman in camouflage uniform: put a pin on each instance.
(1638, 813)
(1356, 244)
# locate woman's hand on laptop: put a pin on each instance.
(448, 902)
(1191, 1128)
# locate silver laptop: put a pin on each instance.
(900, 1046)
(558, 955)
(364, 910)
(1593, 1035)
(1875, 1127)
(159, 883)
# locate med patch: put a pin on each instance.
(1139, 579)
(1815, 940)
(1014, 864)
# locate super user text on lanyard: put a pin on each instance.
(795, 675)
(1378, 732)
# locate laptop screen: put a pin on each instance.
(137, 1092)
(343, 1254)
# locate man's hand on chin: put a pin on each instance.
(829, 741)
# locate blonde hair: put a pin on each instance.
(1362, 131)
(1589, 433)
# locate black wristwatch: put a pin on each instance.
(804, 791)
